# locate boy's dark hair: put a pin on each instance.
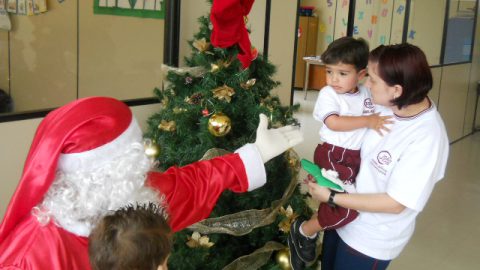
(405, 65)
(133, 237)
(347, 50)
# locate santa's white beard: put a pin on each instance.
(76, 201)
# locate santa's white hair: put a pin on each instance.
(76, 201)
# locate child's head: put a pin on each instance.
(133, 237)
(346, 60)
(399, 75)
(347, 50)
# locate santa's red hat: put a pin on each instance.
(79, 136)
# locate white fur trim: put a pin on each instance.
(95, 158)
(79, 228)
(254, 167)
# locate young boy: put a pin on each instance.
(133, 237)
(346, 110)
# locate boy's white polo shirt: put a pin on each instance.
(330, 103)
(405, 163)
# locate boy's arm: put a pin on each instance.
(349, 123)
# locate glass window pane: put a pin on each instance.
(460, 25)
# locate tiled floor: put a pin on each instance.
(447, 234)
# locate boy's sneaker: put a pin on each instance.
(295, 262)
(301, 246)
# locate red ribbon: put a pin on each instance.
(229, 27)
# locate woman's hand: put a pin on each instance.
(318, 192)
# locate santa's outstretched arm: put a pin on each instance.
(192, 191)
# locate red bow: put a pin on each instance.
(229, 27)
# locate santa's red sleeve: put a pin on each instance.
(192, 191)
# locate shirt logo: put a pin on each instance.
(384, 158)
(368, 103)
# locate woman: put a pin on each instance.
(398, 170)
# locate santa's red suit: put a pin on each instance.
(81, 135)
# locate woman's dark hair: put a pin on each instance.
(134, 237)
(405, 65)
(347, 50)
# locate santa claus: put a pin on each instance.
(87, 158)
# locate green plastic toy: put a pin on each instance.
(316, 172)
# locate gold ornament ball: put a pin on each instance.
(219, 124)
(152, 150)
(283, 259)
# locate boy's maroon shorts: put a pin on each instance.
(344, 161)
(347, 163)
(334, 217)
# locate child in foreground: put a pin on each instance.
(133, 237)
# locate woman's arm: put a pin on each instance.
(380, 202)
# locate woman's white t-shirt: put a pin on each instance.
(405, 163)
(330, 103)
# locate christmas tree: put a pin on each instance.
(214, 102)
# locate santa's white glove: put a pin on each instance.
(273, 142)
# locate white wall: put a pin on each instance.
(15, 139)
(281, 45)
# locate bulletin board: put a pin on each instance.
(332, 21)
(134, 8)
(379, 22)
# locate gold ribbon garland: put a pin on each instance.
(193, 71)
(244, 222)
(256, 259)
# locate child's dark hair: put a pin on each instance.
(133, 237)
(405, 65)
(347, 50)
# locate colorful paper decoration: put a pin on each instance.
(25, 7)
(135, 8)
